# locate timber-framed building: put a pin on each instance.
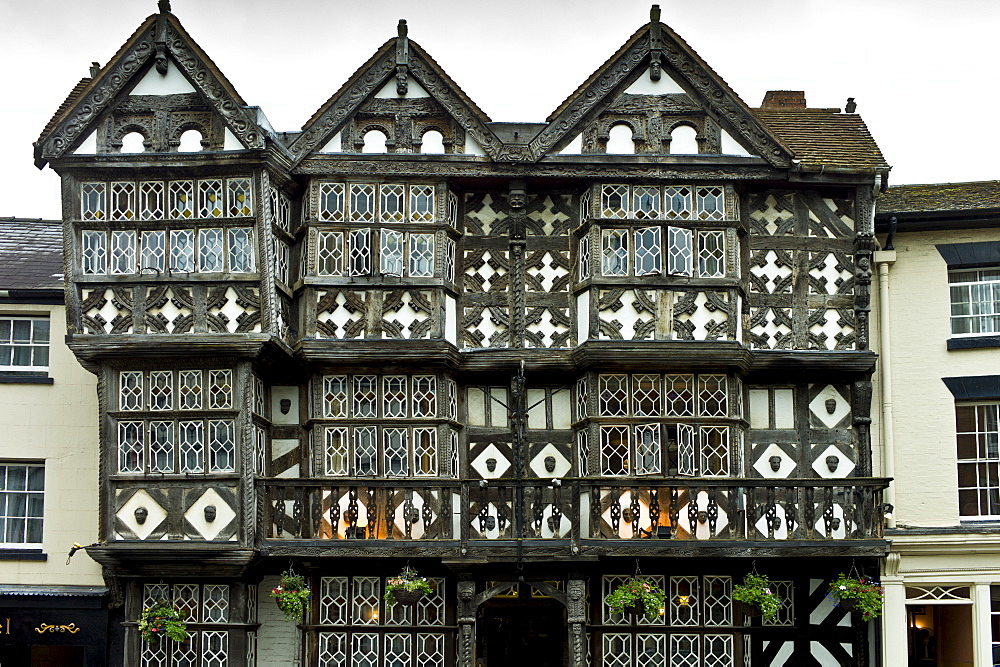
(528, 360)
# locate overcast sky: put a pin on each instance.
(924, 72)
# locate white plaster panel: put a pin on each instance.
(498, 413)
(413, 90)
(172, 83)
(574, 147)
(646, 86)
(472, 146)
(701, 530)
(562, 416)
(288, 392)
(537, 464)
(231, 143)
(451, 320)
(491, 452)
(732, 147)
(224, 515)
(759, 409)
(784, 413)
(818, 406)
(781, 532)
(475, 405)
(536, 414)
(154, 518)
(763, 463)
(822, 655)
(583, 316)
(844, 464)
(332, 146)
(89, 145)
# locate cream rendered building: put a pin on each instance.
(51, 612)
(939, 274)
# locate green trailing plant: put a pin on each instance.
(637, 592)
(162, 620)
(756, 591)
(408, 581)
(860, 594)
(291, 594)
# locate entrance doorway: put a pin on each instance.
(521, 631)
(940, 635)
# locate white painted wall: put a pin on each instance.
(413, 89)
(171, 83)
(646, 86)
(56, 423)
(278, 640)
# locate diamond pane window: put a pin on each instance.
(280, 261)
(581, 398)
(718, 601)
(190, 390)
(130, 447)
(422, 203)
(152, 202)
(94, 252)
(335, 396)
(215, 648)
(191, 444)
(583, 451)
(650, 650)
(365, 395)
(614, 450)
(648, 253)
(449, 259)
(680, 251)
(645, 202)
(335, 450)
(241, 250)
(362, 202)
(680, 395)
(284, 213)
(617, 649)
(391, 253)
(614, 201)
(394, 396)
(153, 252)
(361, 252)
(393, 199)
(210, 250)
(122, 253)
(161, 387)
(615, 252)
(584, 257)
(260, 450)
(130, 390)
(714, 451)
(685, 650)
(215, 603)
(712, 397)
(161, 446)
(677, 203)
(92, 201)
(425, 451)
(711, 254)
(452, 400)
(180, 199)
(647, 449)
(333, 599)
(220, 389)
(421, 255)
(711, 203)
(182, 250)
(786, 615)
(210, 199)
(683, 600)
(123, 200)
(687, 457)
(613, 395)
(396, 451)
(646, 395)
(222, 445)
(424, 395)
(240, 197)
(330, 254)
(365, 450)
(186, 599)
(331, 201)
(397, 649)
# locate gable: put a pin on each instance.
(402, 93)
(159, 85)
(653, 85)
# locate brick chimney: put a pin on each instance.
(784, 99)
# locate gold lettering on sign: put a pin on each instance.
(45, 627)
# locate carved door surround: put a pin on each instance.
(573, 599)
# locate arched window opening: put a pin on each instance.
(620, 140)
(684, 141)
(432, 142)
(374, 142)
(190, 142)
(133, 143)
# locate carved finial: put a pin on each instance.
(164, 6)
(95, 67)
(851, 107)
(654, 14)
(401, 29)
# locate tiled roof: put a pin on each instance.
(825, 137)
(940, 197)
(31, 254)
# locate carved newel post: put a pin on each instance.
(466, 623)
(576, 595)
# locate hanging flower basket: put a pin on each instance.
(291, 595)
(637, 596)
(162, 620)
(758, 597)
(406, 589)
(858, 594)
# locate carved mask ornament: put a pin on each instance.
(491, 464)
(286, 405)
(210, 513)
(832, 462)
(491, 522)
(141, 513)
(550, 463)
(775, 462)
(831, 405)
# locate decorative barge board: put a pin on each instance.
(523, 364)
